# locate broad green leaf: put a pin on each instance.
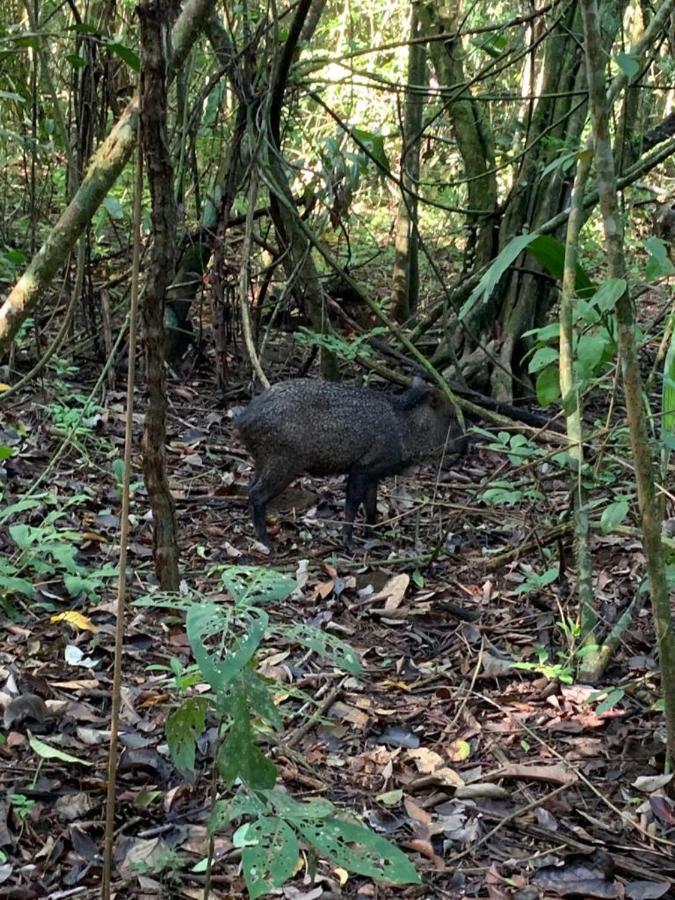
(358, 849)
(270, 854)
(544, 334)
(548, 386)
(183, 727)
(5, 452)
(260, 699)
(613, 515)
(46, 751)
(219, 668)
(331, 648)
(590, 350)
(542, 357)
(289, 808)
(610, 701)
(226, 811)
(608, 293)
(551, 254)
(490, 279)
(252, 585)
(10, 584)
(374, 144)
(659, 264)
(628, 63)
(239, 756)
(23, 536)
(129, 56)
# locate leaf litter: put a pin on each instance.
(497, 781)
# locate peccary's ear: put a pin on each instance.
(416, 393)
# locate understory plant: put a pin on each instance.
(274, 831)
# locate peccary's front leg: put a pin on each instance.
(371, 503)
(265, 486)
(357, 488)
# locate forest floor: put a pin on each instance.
(497, 782)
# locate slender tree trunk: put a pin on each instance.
(472, 132)
(153, 16)
(406, 265)
(645, 471)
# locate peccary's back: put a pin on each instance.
(323, 428)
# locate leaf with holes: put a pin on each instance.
(270, 854)
(182, 729)
(222, 665)
(358, 849)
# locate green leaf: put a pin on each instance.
(490, 279)
(76, 61)
(544, 334)
(613, 515)
(590, 349)
(239, 756)
(551, 254)
(374, 144)
(5, 452)
(270, 854)
(226, 811)
(610, 701)
(608, 293)
(114, 208)
(543, 357)
(327, 645)
(658, 264)
(252, 585)
(358, 849)
(628, 63)
(46, 751)
(125, 53)
(259, 694)
(183, 727)
(9, 584)
(548, 386)
(291, 809)
(219, 668)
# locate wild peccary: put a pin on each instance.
(323, 428)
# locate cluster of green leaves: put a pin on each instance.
(346, 349)
(46, 552)
(224, 641)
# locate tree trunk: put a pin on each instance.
(406, 265)
(651, 509)
(153, 14)
(472, 132)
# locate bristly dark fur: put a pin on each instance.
(324, 428)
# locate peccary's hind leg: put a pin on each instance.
(371, 503)
(266, 485)
(357, 487)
